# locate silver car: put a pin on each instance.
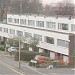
(12, 49)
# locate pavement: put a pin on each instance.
(8, 66)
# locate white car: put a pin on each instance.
(12, 49)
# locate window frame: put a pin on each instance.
(39, 37)
(72, 27)
(31, 23)
(40, 23)
(63, 26)
(0, 29)
(12, 31)
(10, 20)
(19, 33)
(51, 25)
(49, 40)
(23, 21)
(5, 30)
(28, 35)
(16, 20)
(62, 43)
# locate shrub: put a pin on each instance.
(27, 55)
(2, 47)
(61, 62)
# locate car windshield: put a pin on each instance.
(13, 48)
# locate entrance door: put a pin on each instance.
(66, 59)
(52, 55)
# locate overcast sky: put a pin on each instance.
(54, 1)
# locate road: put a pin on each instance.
(6, 68)
(10, 67)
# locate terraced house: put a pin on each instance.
(56, 34)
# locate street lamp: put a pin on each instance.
(22, 39)
(19, 40)
(19, 52)
(20, 35)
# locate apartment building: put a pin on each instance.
(56, 34)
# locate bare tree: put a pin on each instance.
(3, 8)
(27, 6)
(64, 8)
(13, 6)
(35, 6)
(33, 42)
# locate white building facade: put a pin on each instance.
(56, 34)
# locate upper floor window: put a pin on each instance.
(73, 27)
(50, 25)
(62, 43)
(62, 26)
(31, 22)
(16, 21)
(6, 30)
(40, 23)
(0, 28)
(19, 33)
(23, 21)
(12, 31)
(9, 19)
(39, 37)
(49, 40)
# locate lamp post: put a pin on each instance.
(19, 53)
(20, 37)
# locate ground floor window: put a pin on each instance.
(49, 40)
(62, 43)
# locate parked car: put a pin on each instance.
(12, 49)
(42, 59)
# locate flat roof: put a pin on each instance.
(42, 15)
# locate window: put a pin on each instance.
(19, 33)
(50, 25)
(63, 26)
(62, 43)
(31, 22)
(0, 28)
(28, 35)
(40, 23)
(12, 31)
(73, 27)
(16, 20)
(9, 19)
(23, 21)
(6, 30)
(39, 37)
(49, 40)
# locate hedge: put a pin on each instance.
(2, 47)
(27, 55)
